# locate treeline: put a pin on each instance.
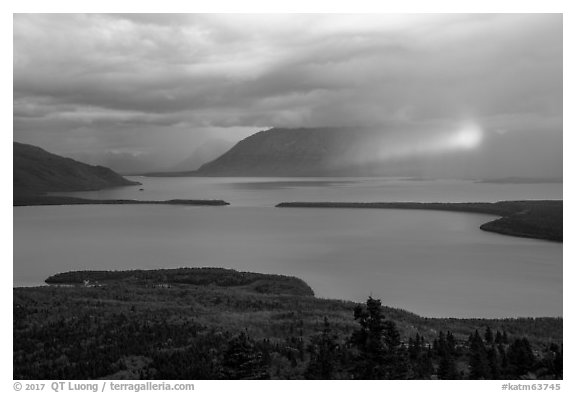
(375, 351)
(161, 346)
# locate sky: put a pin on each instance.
(144, 91)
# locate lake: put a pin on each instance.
(433, 263)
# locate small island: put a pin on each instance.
(531, 219)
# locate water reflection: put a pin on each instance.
(429, 262)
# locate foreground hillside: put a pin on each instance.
(223, 324)
(38, 171)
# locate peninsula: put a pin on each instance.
(531, 219)
(47, 200)
(38, 172)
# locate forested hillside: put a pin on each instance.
(222, 324)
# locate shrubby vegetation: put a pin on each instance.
(257, 282)
(130, 328)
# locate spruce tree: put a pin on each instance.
(368, 341)
(494, 363)
(446, 352)
(380, 355)
(479, 367)
(323, 351)
(488, 336)
(242, 360)
(420, 358)
(450, 343)
(520, 357)
(498, 339)
(558, 364)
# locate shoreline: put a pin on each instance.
(218, 278)
(153, 324)
(45, 200)
(538, 219)
(533, 219)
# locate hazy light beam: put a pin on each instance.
(468, 137)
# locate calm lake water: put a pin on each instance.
(428, 262)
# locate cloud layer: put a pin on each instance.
(148, 83)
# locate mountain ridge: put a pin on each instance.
(37, 171)
(283, 152)
(309, 152)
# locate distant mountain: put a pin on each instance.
(122, 162)
(38, 171)
(204, 153)
(297, 152)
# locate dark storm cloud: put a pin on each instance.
(120, 70)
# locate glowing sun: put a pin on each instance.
(469, 137)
